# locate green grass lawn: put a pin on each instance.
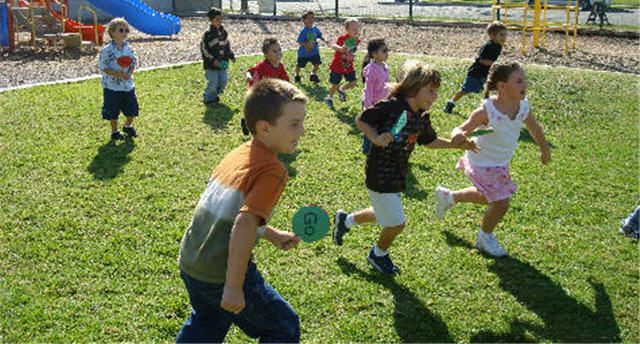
(90, 230)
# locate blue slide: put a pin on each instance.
(141, 16)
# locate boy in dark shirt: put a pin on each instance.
(216, 54)
(477, 73)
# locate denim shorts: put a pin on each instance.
(266, 315)
(302, 61)
(473, 85)
(119, 101)
(335, 78)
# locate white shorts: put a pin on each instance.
(388, 208)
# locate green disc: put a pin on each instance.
(224, 64)
(310, 223)
(351, 42)
(480, 132)
(311, 37)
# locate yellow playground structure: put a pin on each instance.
(535, 20)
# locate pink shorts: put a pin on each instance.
(494, 182)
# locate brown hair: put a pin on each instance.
(268, 43)
(308, 13)
(413, 76)
(495, 27)
(116, 23)
(265, 100)
(499, 72)
(349, 21)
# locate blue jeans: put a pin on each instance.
(632, 223)
(216, 82)
(266, 316)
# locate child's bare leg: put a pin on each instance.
(349, 85)
(364, 216)
(297, 70)
(333, 89)
(458, 95)
(315, 69)
(114, 125)
(128, 122)
(494, 214)
(469, 195)
(388, 235)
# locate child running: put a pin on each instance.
(216, 263)
(342, 63)
(308, 50)
(117, 63)
(488, 168)
(375, 75)
(477, 73)
(394, 126)
(216, 54)
(271, 66)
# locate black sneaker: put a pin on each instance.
(314, 78)
(383, 264)
(296, 78)
(339, 226)
(328, 101)
(131, 131)
(116, 135)
(213, 102)
(342, 95)
(449, 107)
(243, 125)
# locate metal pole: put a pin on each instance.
(411, 11)
(536, 23)
(337, 4)
(274, 7)
(498, 11)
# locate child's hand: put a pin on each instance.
(459, 138)
(344, 49)
(125, 76)
(284, 240)
(545, 156)
(469, 145)
(232, 300)
(383, 139)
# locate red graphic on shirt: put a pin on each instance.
(124, 61)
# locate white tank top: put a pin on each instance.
(497, 148)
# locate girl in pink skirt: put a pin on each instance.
(500, 117)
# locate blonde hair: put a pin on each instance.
(349, 21)
(116, 23)
(265, 100)
(499, 72)
(413, 76)
(495, 27)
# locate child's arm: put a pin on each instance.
(117, 74)
(243, 238)
(281, 239)
(440, 143)
(486, 62)
(249, 77)
(371, 133)
(538, 136)
(478, 117)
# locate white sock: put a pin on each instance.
(350, 221)
(485, 233)
(452, 101)
(378, 251)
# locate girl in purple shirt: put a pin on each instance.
(375, 76)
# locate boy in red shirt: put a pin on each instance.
(270, 67)
(342, 64)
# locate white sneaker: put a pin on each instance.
(488, 244)
(444, 201)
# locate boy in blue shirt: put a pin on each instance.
(308, 50)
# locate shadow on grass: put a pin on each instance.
(288, 159)
(414, 190)
(348, 117)
(110, 160)
(414, 322)
(565, 319)
(217, 116)
(526, 137)
(315, 92)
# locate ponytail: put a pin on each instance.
(499, 72)
(373, 46)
